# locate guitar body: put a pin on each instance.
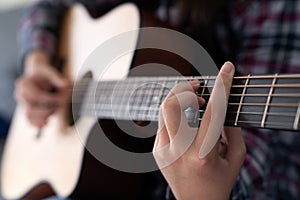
(58, 158)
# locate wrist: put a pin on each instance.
(200, 193)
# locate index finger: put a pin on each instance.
(54, 77)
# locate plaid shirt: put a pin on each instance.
(260, 37)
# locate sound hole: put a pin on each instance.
(79, 92)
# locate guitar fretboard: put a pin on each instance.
(271, 101)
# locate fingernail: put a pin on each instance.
(227, 67)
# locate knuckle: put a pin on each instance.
(204, 162)
(156, 153)
(226, 79)
(169, 104)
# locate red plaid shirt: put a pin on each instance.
(260, 37)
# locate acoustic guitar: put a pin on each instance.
(56, 155)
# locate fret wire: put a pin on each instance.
(160, 96)
(137, 96)
(297, 118)
(122, 89)
(203, 89)
(241, 101)
(176, 82)
(138, 100)
(130, 98)
(148, 100)
(268, 102)
(87, 98)
(133, 98)
(101, 97)
(105, 86)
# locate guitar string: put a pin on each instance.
(118, 88)
(121, 88)
(141, 95)
(158, 86)
(120, 94)
(185, 78)
(141, 100)
(113, 84)
(155, 118)
(146, 117)
(296, 95)
(138, 98)
(142, 81)
(291, 95)
(151, 109)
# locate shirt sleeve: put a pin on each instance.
(40, 25)
(41, 22)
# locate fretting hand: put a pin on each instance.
(208, 167)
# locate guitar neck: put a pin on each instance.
(271, 101)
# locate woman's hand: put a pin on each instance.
(195, 162)
(33, 89)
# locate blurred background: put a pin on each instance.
(10, 13)
(9, 4)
